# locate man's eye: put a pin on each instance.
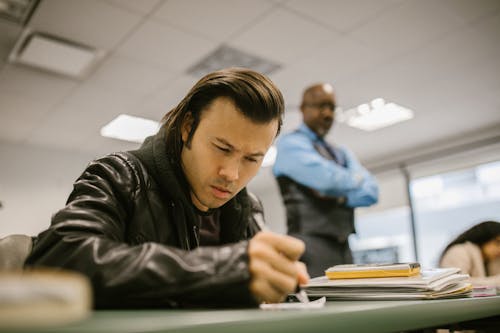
(224, 149)
(251, 159)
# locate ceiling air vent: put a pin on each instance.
(226, 56)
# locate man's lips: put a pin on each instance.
(221, 192)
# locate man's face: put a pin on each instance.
(226, 152)
(318, 109)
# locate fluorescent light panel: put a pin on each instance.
(376, 115)
(56, 55)
(130, 128)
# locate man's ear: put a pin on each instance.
(186, 126)
(302, 107)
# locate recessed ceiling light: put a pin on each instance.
(375, 115)
(130, 128)
(54, 54)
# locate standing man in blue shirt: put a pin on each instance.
(321, 184)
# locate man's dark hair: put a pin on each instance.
(254, 95)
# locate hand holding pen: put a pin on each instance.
(274, 266)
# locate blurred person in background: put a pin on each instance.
(321, 184)
(476, 252)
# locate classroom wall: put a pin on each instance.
(34, 184)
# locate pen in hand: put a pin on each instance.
(301, 295)
(288, 247)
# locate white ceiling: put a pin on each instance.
(440, 58)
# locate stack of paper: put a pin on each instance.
(429, 284)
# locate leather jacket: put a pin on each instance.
(130, 227)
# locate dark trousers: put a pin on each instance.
(323, 252)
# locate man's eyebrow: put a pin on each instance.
(227, 144)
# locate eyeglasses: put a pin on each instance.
(325, 105)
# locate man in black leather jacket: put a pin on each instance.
(171, 224)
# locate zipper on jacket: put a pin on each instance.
(196, 236)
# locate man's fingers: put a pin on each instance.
(264, 292)
(280, 281)
(269, 285)
(290, 247)
(303, 276)
(273, 266)
(267, 253)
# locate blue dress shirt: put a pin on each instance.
(298, 159)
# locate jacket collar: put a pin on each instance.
(171, 180)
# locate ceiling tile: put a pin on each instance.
(407, 27)
(282, 36)
(81, 115)
(156, 104)
(490, 28)
(101, 146)
(321, 67)
(19, 115)
(35, 84)
(343, 15)
(160, 44)
(472, 10)
(101, 103)
(141, 6)
(68, 127)
(181, 14)
(441, 59)
(91, 22)
(354, 56)
(291, 88)
(120, 74)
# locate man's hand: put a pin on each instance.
(274, 267)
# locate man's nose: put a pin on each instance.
(327, 113)
(230, 170)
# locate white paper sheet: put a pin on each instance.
(316, 304)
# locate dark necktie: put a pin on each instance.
(328, 151)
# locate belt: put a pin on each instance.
(335, 200)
